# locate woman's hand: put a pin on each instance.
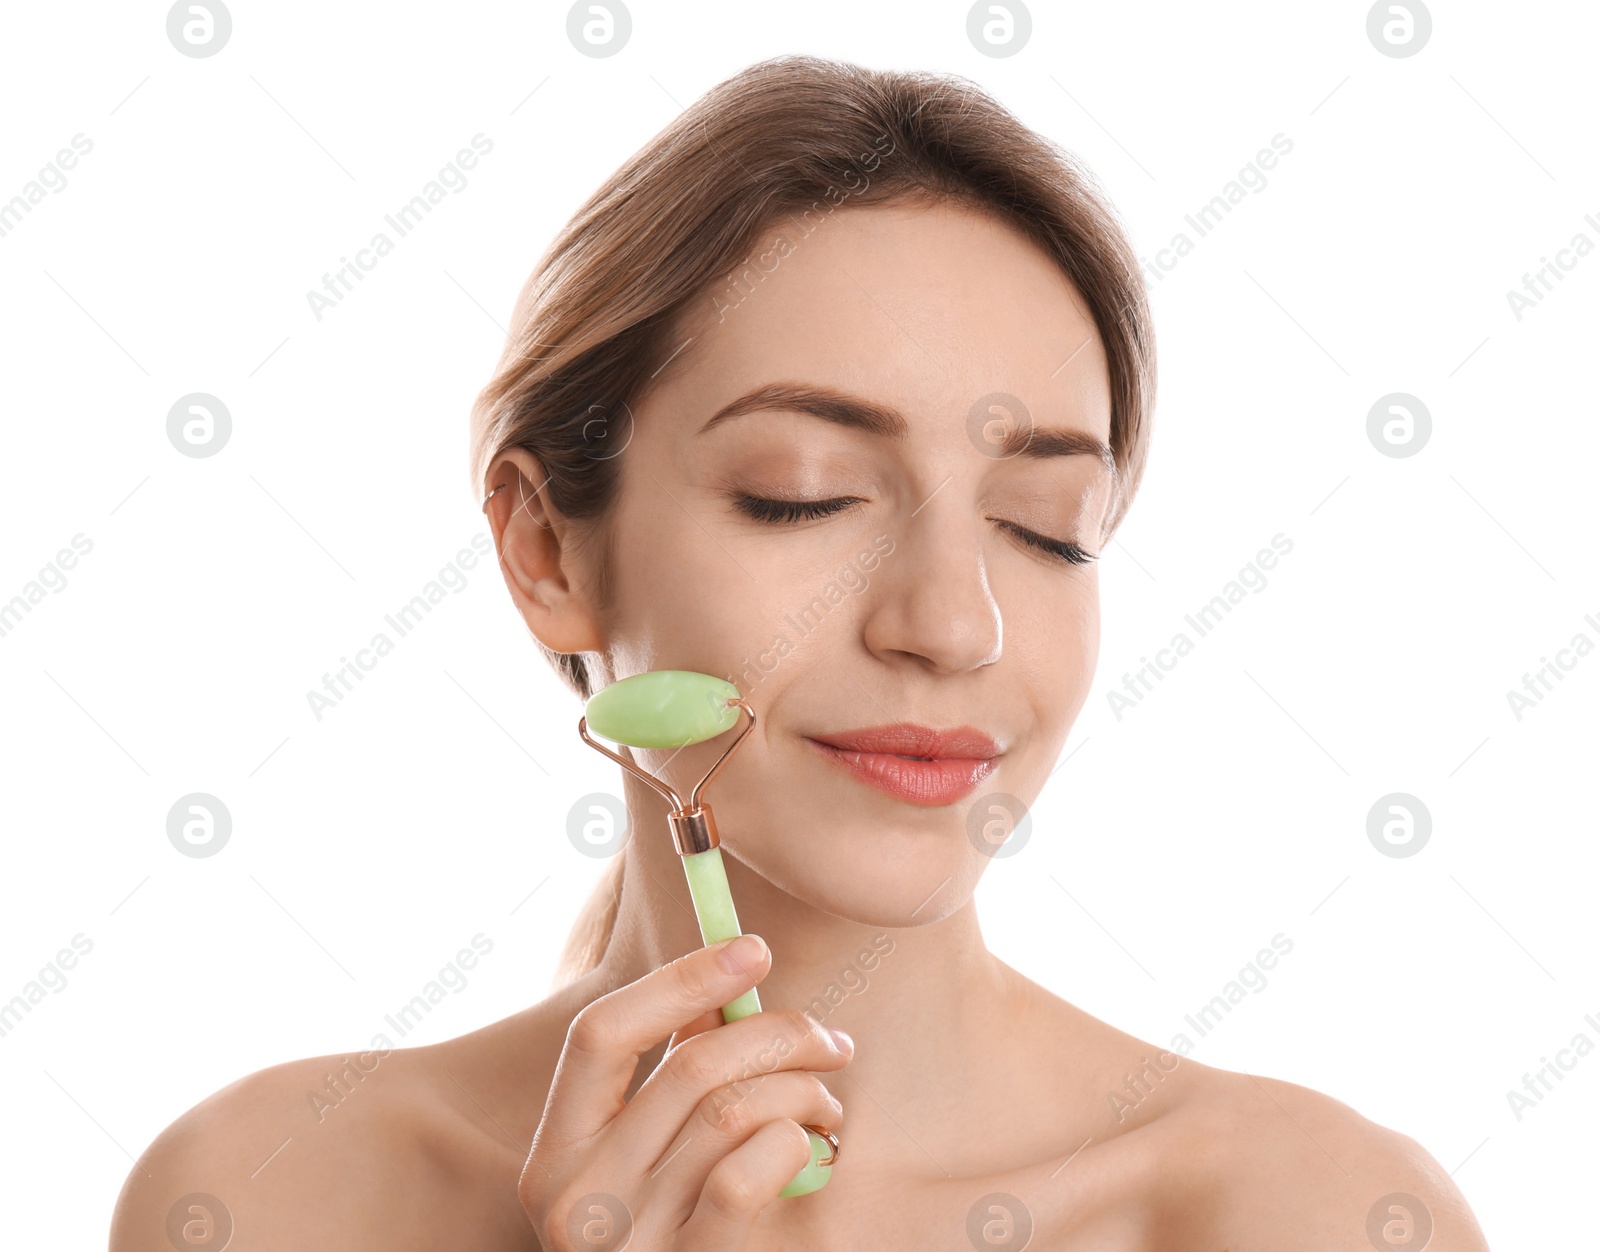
(710, 1137)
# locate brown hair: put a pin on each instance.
(792, 138)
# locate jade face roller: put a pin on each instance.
(672, 708)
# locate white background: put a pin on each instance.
(1228, 806)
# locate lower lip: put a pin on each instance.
(930, 783)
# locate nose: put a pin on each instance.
(931, 599)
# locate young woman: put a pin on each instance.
(836, 389)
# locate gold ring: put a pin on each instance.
(833, 1142)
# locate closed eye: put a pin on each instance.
(1063, 548)
(779, 512)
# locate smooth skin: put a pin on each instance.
(963, 1078)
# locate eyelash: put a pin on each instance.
(780, 512)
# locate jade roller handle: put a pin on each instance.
(713, 906)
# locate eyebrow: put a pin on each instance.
(856, 413)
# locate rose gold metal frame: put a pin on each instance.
(693, 827)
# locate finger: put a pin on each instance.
(743, 1183)
(735, 1054)
(709, 1020)
(608, 1036)
(730, 1116)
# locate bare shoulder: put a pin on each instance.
(1194, 1158)
(360, 1150)
(1275, 1164)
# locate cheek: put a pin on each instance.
(686, 600)
(1059, 638)
(667, 571)
(1089, 608)
(1085, 641)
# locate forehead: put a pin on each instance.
(929, 307)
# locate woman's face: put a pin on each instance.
(917, 598)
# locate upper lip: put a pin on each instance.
(909, 739)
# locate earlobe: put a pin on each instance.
(539, 556)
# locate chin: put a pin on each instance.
(868, 874)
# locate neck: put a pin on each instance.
(912, 998)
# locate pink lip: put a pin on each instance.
(960, 759)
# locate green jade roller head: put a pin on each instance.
(672, 708)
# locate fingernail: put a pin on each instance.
(742, 955)
(842, 1041)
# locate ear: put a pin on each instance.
(550, 583)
